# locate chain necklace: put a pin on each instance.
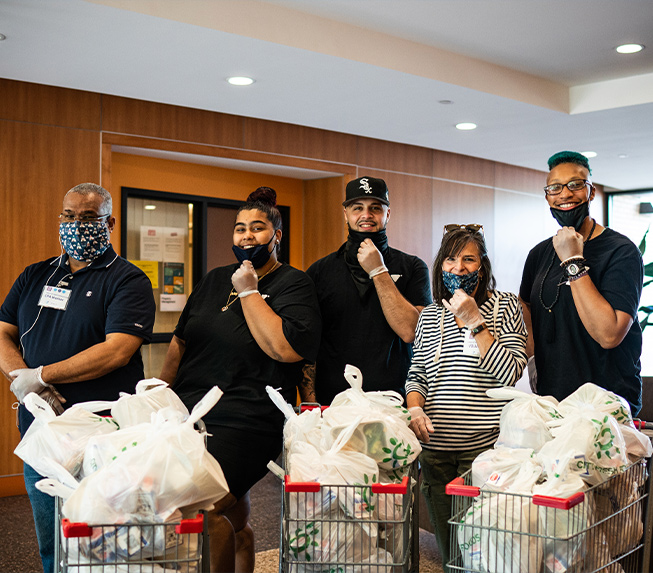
(550, 307)
(234, 292)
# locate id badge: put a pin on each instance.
(53, 297)
(470, 348)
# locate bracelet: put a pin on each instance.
(378, 271)
(39, 371)
(246, 293)
(578, 276)
(574, 258)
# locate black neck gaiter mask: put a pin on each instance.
(363, 282)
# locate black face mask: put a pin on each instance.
(573, 217)
(258, 255)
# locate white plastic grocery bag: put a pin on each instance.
(506, 469)
(303, 427)
(564, 531)
(494, 535)
(591, 440)
(592, 397)
(383, 433)
(61, 439)
(523, 422)
(171, 469)
(151, 395)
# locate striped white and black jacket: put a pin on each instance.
(454, 384)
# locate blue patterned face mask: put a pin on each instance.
(84, 241)
(466, 282)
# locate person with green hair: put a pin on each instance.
(580, 293)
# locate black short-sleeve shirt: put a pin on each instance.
(566, 355)
(356, 332)
(220, 350)
(108, 296)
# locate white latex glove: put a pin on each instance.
(369, 256)
(52, 397)
(464, 307)
(26, 380)
(420, 423)
(245, 277)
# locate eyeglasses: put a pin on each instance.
(573, 186)
(474, 228)
(68, 218)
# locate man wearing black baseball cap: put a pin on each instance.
(370, 296)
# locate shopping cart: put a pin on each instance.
(131, 547)
(606, 528)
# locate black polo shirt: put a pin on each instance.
(356, 332)
(110, 295)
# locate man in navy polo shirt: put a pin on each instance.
(71, 327)
(370, 297)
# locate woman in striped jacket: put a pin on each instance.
(470, 339)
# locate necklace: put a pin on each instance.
(234, 292)
(561, 282)
(551, 330)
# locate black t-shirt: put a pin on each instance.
(356, 332)
(220, 350)
(110, 295)
(566, 356)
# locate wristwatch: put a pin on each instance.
(572, 269)
(478, 329)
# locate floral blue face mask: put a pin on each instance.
(466, 282)
(84, 241)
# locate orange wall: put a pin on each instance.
(192, 179)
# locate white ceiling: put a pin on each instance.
(537, 76)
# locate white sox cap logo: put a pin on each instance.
(365, 186)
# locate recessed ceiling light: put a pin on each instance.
(149, 207)
(466, 126)
(622, 155)
(588, 154)
(2, 37)
(629, 48)
(240, 81)
(445, 101)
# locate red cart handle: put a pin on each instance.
(457, 487)
(71, 529)
(195, 525)
(559, 502)
(301, 486)
(401, 488)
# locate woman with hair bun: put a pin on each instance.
(245, 326)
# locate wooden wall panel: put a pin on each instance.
(460, 203)
(299, 141)
(124, 115)
(324, 227)
(409, 228)
(36, 103)
(389, 156)
(463, 168)
(38, 164)
(519, 179)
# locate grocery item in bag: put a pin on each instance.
(151, 395)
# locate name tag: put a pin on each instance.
(53, 297)
(470, 348)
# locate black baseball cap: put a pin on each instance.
(366, 188)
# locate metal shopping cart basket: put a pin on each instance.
(131, 547)
(345, 528)
(606, 528)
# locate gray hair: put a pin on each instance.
(88, 188)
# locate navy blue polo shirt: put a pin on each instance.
(108, 296)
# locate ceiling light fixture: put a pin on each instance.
(2, 37)
(466, 126)
(240, 81)
(629, 48)
(588, 154)
(149, 207)
(445, 101)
